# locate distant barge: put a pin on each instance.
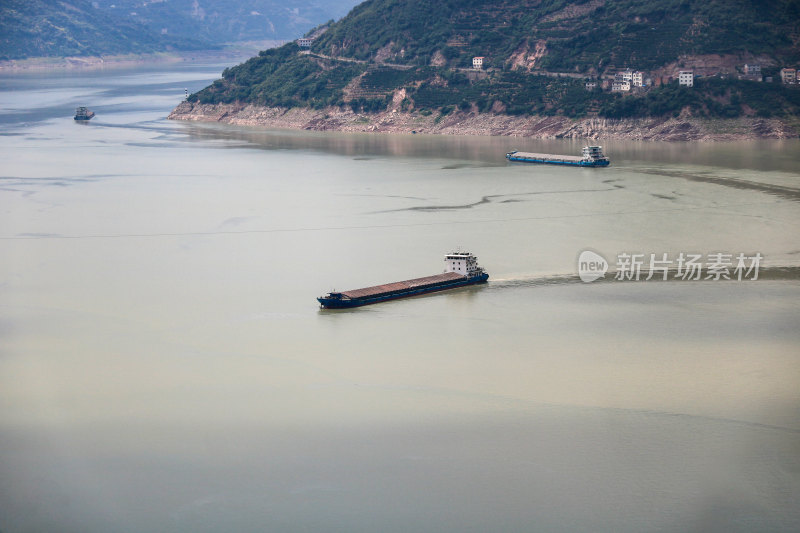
(83, 113)
(592, 157)
(461, 268)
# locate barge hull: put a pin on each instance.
(592, 157)
(577, 162)
(416, 287)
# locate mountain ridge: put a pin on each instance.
(416, 56)
(342, 67)
(578, 34)
(84, 28)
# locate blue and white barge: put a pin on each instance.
(592, 157)
(461, 269)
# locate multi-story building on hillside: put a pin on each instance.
(630, 77)
(789, 76)
(620, 86)
(624, 76)
(752, 72)
(686, 78)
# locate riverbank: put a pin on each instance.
(92, 62)
(682, 128)
(231, 53)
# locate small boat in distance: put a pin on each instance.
(461, 268)
(592, 157)
(83, 113)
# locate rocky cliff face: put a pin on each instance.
(469, 123)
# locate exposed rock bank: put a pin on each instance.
(470, 123)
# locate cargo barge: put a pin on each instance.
(83, 113)
(592, 157)
(461, 268)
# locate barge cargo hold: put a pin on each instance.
(461, 269)
(592, 157)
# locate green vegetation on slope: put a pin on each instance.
(282, 77)
(579, 34)
(710, 97)
(392, 45)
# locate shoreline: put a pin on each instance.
(673, 129)
(237, 52)
(38, 64)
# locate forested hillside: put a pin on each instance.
(537, 56)
(60, 28)
(47, 28)
(576, 35)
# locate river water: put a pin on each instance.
(164, 365)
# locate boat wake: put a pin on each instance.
(533, 281)
(771, 273)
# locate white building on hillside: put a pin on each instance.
(620, 86)
(789, 76)
(686, 78)
(624, 75)
(752, 70)
(477, 63)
